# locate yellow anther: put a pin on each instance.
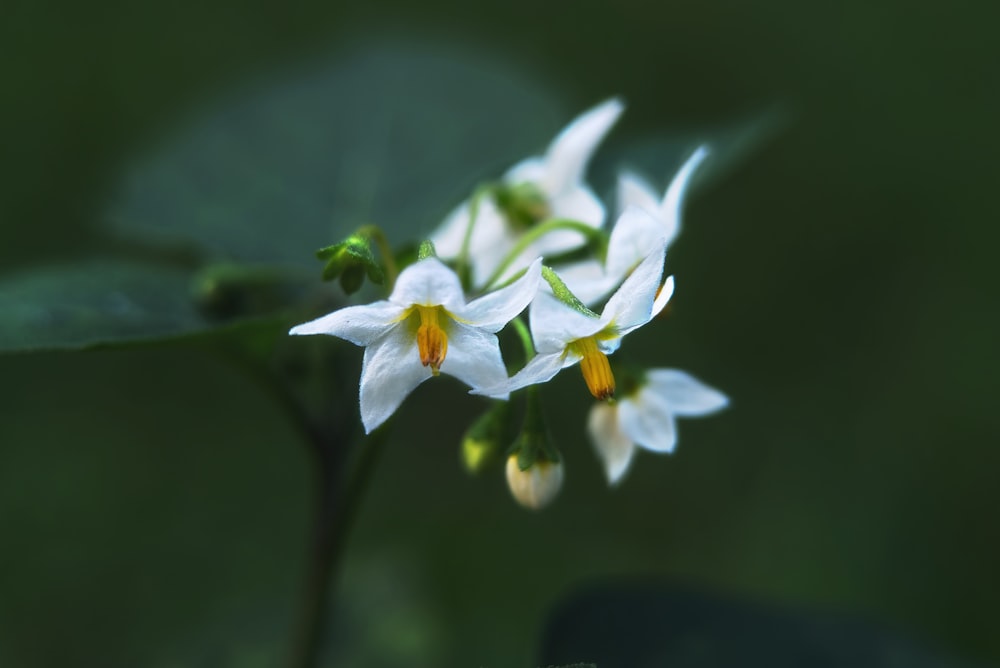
(431, 338)
(596, 368)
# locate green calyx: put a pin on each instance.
(350, 261)
(426, 250)
(523, 205)
(533, 445)
(630, 379)
(564, 294)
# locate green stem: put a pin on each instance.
(334, 517)
(535, 233)
(525, 335)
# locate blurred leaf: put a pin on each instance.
(391, 136)
(658, 156)
(647, 626)
(97, 302)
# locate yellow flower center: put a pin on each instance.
(432, 341)
(595, 367)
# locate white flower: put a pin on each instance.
(426, 327)
(644, 221)
(564, 336)
(537, 486)
(646, 418)
(557, 177)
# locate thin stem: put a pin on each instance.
(535, 233)
(525, 335)
(334, 517)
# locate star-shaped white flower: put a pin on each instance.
(558, 178)
(646, 418)
(564, 336)
(644, 221)
(423, 328)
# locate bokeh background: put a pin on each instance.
(838, 284)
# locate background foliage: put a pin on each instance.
(837, 284)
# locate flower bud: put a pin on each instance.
(484, 439)
(536, 486)
(350, 261)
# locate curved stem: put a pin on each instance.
(533, 235)
(525, 335)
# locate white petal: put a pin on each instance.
(570, 152)
(491, 240)
(358, 324)
(531, 170)
(554, 324)
(666, 292)
(613, 447)
(633, 190)
(450, 235)
(428, 283)
(578, 203)
(673, 199)
(494, 310)
(634, 234)
(683, 393)
(391, 370)
(588, 280)
(540, 369)
(632, 304)
(647, 421)
(474, 358)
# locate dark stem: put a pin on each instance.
(343, 463)
(338, 498)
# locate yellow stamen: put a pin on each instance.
(431, 338)
(595, 367)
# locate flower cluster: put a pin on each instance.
(535, 241)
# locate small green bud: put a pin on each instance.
(350, 260)
(426, 250)
(486, 437)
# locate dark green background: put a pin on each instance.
(838, 285)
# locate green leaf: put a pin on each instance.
(391, 136)
(98, 302)
(657, 156)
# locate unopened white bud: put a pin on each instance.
(536, 486)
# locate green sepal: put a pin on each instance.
(426, 250)
(522, 204)
(533, 444)
(564, 294)
(532, 447)
(350, 261)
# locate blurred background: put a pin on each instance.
(836, 282)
